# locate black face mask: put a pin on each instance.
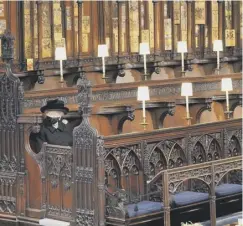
(50, 121)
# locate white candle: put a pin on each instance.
(61, 71)
(187, 107)
(143, 108)
(182, 61)
(103, 65)
(227, 100)
(218, 60)
(145, 67)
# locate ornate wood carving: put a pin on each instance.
(11, 135)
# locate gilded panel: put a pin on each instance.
(30, 65)
(230, 37)
(28, 48)
(228, 14)
(165, 9)
(168, 34)
(215, 23)
(60, 42)
(115, 41)
(69, 18)
(85, 42)
(200, 12)
(134, 28)
(57, 14)
(46, 28)
(145, 36)
(206, 36)
(123, 27)
(215, 33)
(1, 10)
(75, 9)
(241, 21)
(176, 11)
(184, 21)
(27, 30)
(46, 48)
(2, 26)
(134, 43)
(107, 16)
(115, 33)
(176, 31)
(151, 25)
(26, 8)
(86, 24)
(107, 42)
(35, 22)
(36, 48)
(142, 15)
(76, 24)
(197, 32)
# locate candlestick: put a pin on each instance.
(145, 66)
(227, 100)
(103, 66)
(60, 54)
(103, 52)
(143, 108)
(218, 46)
(187, 107)
(226, 86)
(61, 71)
(182, 62)
(182, 48)
(144, 50)
(143, 95)
(218, 60)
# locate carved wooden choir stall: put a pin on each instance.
(178, 165)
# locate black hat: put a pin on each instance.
(54, 105)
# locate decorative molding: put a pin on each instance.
(128, 93)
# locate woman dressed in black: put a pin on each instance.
(54, 130)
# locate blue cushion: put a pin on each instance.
(143, 207)
(189, 197)
(228, 189)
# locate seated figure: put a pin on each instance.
(54, 130)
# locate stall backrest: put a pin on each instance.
(88, 192)
(11, 144)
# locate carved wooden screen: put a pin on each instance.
(59, 167)
(11, 145)
(88, 174)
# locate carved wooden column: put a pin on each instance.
(213, 199)
(120, 27)
(101, 30)
(166, 198)
(20, 21)
(69, 28)
(162, 26)
(128, 39)
(40, 32)
(79, 2)
(52, 31)
(101, 181)
(235, 22)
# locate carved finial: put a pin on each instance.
(84, 96)
(7, 46)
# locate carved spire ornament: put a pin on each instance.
(7, 46)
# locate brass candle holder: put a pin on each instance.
(144, 123)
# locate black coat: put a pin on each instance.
(60, 136)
